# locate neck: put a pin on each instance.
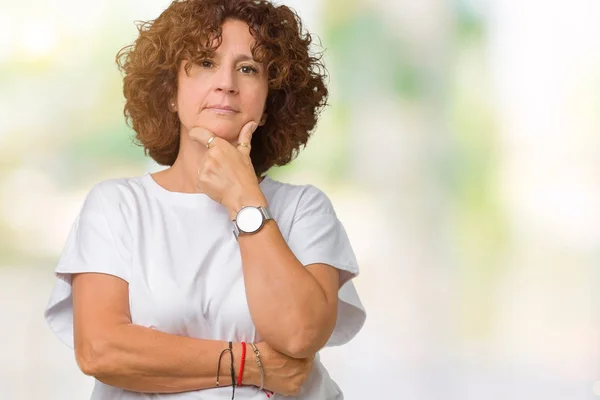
(182, 176)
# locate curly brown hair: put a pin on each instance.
(191, 29)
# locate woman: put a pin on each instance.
(210, 280)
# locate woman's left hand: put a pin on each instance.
(226, 174)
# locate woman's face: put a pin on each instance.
(226, 91)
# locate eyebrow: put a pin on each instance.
(240, 57)
(244, 57)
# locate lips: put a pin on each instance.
(221, 108)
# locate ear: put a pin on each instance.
(263, 119)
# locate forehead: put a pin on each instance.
(236, 36)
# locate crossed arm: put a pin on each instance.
(303, 301)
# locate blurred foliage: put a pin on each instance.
(480, 232)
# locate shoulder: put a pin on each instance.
(116, 199)
(115, 191)
(306, 199)
(118, 188)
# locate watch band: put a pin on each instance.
(266, 213)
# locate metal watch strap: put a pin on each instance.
(266, 213)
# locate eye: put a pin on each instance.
(206, 63)
(246, 69)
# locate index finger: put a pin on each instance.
(201, 135)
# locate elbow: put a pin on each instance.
(307, 340)
(299, 351)
(90, 356)
(306, 344)
(302, 337)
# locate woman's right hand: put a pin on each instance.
(283, 375)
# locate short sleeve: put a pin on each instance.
(98, 242)
(318, 236)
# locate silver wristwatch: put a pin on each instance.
(250, 219)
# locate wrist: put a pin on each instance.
(251, 373)
(247, 198)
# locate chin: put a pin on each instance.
(225, 129)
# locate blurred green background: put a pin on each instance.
(461, 149)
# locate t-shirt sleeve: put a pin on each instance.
(98, 242)
(318, 236)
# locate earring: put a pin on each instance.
(173, 106)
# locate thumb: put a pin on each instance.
(245, 136)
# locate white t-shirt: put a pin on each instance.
(178, 253)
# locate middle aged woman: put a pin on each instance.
(210, 280)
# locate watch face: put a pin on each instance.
(249, 219)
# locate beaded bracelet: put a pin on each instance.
(242, 363)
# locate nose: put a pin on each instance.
(225, 80)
